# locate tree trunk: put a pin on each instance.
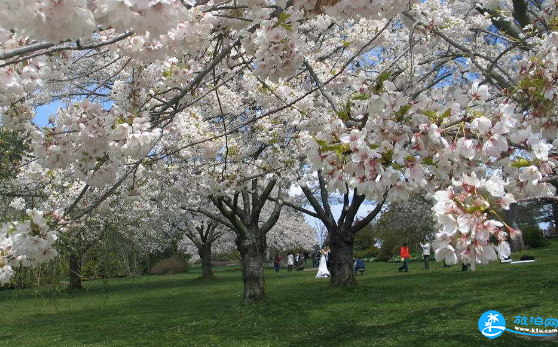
(342, 274)
(75, 271)
(517, 244)
(205, 255)
(510, 217)
(252, 256)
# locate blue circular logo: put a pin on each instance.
(492, 324)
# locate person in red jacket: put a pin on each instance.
(405, 256)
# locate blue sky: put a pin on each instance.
(44, 112)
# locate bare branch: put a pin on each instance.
(366, 220)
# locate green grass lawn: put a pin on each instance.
(439, 307)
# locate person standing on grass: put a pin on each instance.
(300, 262)
(277, 261)
(426, 254)
(405, 256)
(322, 269)
(329, 259)
(316, 261)
(290, 262)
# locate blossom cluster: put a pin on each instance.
(54, 21)
(277, 46)
(465, 213)
(60, 20)
(18, 83)
(538, 88)
(97, 142)
(27, 243)
(372, 9)
(376, 158)
(190, 34)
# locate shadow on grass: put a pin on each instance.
(422, 308)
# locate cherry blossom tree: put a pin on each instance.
(244, 219)
(203, 236)
(341, 231)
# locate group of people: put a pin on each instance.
(298, 259)
(325, 260)
(405, 255)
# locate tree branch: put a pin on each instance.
(321, 215)
(353, 208)
(366, 220)
(208, 214)
(325, 196)
(520, 12)
(320, 86)
(274, 215)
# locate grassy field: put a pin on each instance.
(439, 307)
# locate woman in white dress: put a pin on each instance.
(322, 269)
(290, 262)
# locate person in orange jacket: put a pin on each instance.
(405, 256)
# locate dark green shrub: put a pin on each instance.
(370, 252)
(103, 262)
(47, 277)
(533, 237)
(111, 265)
(388, 249)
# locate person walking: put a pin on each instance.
(405, 256)
(290, 262)
(277, 261)
(426, 254)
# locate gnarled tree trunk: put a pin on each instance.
(75, 271)
(252, 256)
(242, 214)
(205, 255)
(341, 244)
